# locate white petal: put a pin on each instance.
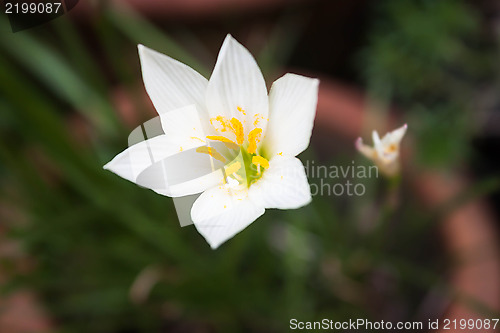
(185, 125)
(375, 138)
(174, 179)
(395, 136)
(170, 163)
(216, 201)
(284, 185)
(377, 144)
(132, 161)
(185, 173)
(170, 83)
(218, 215)
(237, 82)
(293, 100)
(365, 150)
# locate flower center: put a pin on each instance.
(246, 164)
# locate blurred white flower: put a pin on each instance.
(250, 138)
(385, 151)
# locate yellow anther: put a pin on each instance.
(259, 160)
(228, 143)
(391, 149)
(253, 139)
(223, 121)
(234, 125)
(232, 168)
(212, 152)
(241, 110)
(232, 146)
(237, 128)
(219, 138)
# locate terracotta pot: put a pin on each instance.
(468, 233)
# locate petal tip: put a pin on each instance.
(141, 48)
(214, 246)
(358, 142)
(145, 51)
(142, 51)
(228, 39)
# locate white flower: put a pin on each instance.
(385, 151)
(225, 138)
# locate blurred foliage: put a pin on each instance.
(431, 58)
(111, 257)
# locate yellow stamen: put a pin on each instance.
(223, 121)
(253, 139)
(232, 168)
(212, 152)
(232, 146)
(391, 149)
(228, 143)
(259, 160)
(219, 138)
(238, 130)
(234, 125)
